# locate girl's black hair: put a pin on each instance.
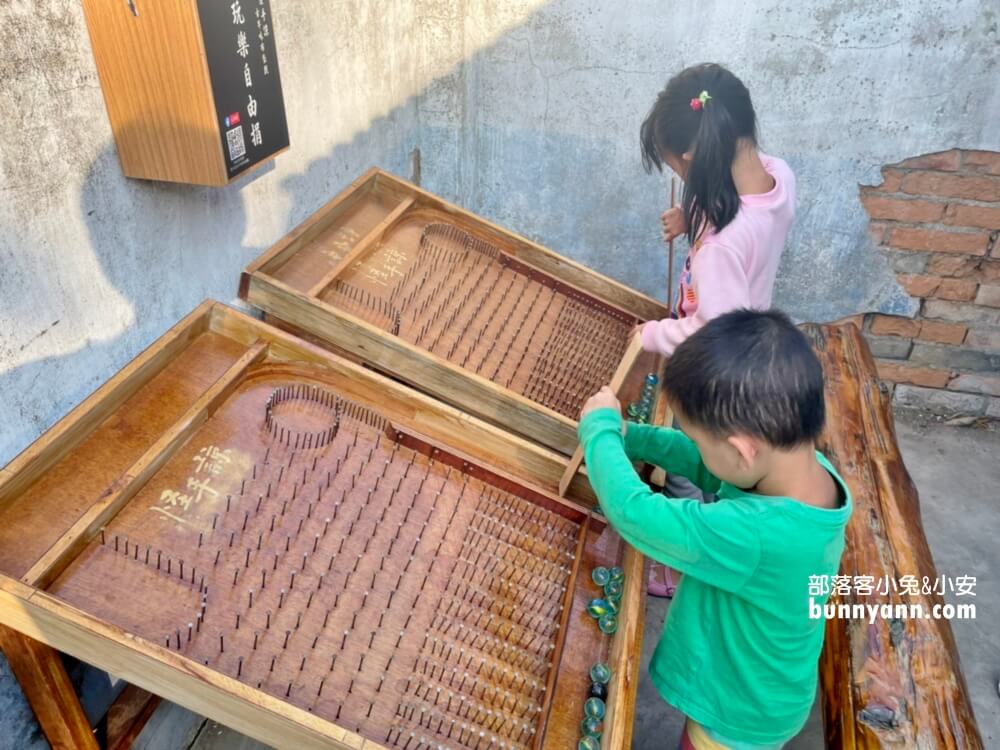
(711, 133)
(749, 372)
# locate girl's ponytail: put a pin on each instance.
(704, 110)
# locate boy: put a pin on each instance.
(739, 652)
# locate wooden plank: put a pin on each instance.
(440, 422)
(892, 683)
(309, 229)
(417, 366)
(157, 90)
(128, 715)
(363, 246)
(62, 552)
(541, 257)
(40, 671)
(45, 452)
(626, 647)
(169, 675)
(624, 368)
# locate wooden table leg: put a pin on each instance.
(43, 678)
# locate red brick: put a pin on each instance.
(962, 215)
(936, 240)
(957, 290)
(900, 373)
(919, 286)
(971, 187)
(947, 161)
(989, 271)
(989, 295)
(953, 265)
(891, 180)
(982, 161)
(901, 209)
(877, 231)
(941, 332)
(893, 325)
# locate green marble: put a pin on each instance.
(617, 574)
(589, 742)
(600, 575)
(608, 624)
(591, 727)
(600, 673)
(594, 708)
(598, 608)
(614, 589)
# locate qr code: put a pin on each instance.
(237, 147)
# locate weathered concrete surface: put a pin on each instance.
(541, 128)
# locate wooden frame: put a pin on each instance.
(300, 309)
(46, 619)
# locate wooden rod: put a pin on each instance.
(625, 366)
(43, 572)
(624, 658)
(366, 243)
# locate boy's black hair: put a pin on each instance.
(711, 132)
(749, 372)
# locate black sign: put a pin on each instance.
(243, 65)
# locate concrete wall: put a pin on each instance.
(542, 129)
(525, 111)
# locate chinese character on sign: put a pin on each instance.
(174, 499)
(251, 106)
(909, 585)
(211, 460)
(242, 48)
(255, 137)
(238, 18)
(200, 487)
(246, 75)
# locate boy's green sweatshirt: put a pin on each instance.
(739, 650)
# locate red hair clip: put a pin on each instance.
(700, 101)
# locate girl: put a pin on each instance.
(736, 210)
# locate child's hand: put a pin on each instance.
(673, 223)
(603, 399)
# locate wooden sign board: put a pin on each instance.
(312, 554)
(454, 305)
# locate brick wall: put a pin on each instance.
(937, 218)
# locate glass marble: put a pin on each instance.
(613, 589)
(597, 690)
(590, 727)
(617, 574)
(598, 608)
(594, 708)
(600, 673)
(600, 575)
(613, 606)
(589, 742)
(608, 624)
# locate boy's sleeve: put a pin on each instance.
(671, 450)
(717, 543)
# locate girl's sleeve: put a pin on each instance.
(671, 450)
(721, 285)
(716, 542)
